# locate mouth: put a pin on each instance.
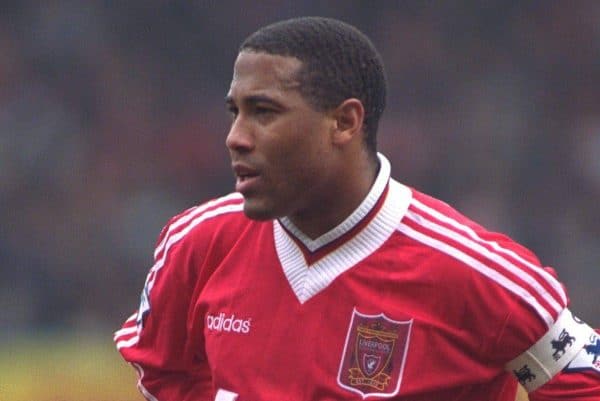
(246, 178)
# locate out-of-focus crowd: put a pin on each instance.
(112, 120)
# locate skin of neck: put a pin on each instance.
(354, 174)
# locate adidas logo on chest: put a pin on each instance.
(228, 323)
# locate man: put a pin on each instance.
(322, 278)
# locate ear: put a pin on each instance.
(349, 117)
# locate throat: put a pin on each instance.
(315, 225)
(326, 213)
(345, 201)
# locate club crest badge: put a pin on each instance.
(374, 355)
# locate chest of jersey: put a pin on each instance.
(374, 331)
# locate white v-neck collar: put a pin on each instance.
(308, 280)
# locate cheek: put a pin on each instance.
(297, 148)
(310, 137)
(305, 154)
(303, 164)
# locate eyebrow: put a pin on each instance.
(253, 99)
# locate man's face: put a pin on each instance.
(279, 144)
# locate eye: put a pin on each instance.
(265, 113)
(263, 110)
(233, 111)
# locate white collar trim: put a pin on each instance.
(308, 280)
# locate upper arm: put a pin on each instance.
(534, 335)
(161, 340)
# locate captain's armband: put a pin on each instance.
(552, 353)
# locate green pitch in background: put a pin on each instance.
(54, 368)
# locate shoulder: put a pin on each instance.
(221, 217)
(492, 264)
(443, 227)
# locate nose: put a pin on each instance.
(240, 138)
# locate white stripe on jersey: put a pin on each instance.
(548, 278)
(132, 317)
(192, 219)
(171, 240)
(129, 327)
(472, 242)
(486, 253)
(189, 215)
(125, 331)
(128, 343)
(140, 386)
(480, 267)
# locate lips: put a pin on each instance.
(247, 177)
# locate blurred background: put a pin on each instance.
(112, 120)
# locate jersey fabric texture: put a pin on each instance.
(406, 299)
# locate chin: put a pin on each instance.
(256, 211)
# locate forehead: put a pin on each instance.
(261, 72)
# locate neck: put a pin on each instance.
(341, 200)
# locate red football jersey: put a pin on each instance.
(405, 300)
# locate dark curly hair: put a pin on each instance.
(338, 62)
